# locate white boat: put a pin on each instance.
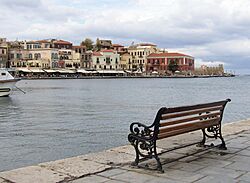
(7, 82)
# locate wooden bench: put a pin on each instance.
(175, 121)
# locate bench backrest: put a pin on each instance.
(179, 120)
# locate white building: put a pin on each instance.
(106, 60)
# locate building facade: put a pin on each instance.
(159, 62)
(126, 62)
(106, 60)
(139, 53)
(3, 53)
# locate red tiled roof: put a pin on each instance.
(78, 46)
(117, 45)
(168, 55)
(147, 44)
(97, 54)
(107, 51)
(62, 42)
(43, 41)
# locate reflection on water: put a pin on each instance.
(62, 118)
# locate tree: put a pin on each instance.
(88, 43)
(98, 45)
(173, 65)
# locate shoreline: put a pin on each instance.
(123, 77)
(119, 158)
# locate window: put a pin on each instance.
(116, 60)
(111, 67)
(108, 60)
(97, 60)
(30, 56)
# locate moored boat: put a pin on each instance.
(7, 82)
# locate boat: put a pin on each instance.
(7, 82)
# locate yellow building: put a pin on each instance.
(126, 62)
(139, 53)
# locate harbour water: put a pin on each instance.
(61, 118)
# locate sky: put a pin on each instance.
(212, 31)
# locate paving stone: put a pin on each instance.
(245, 152)
(170, 156)
(243, 166)
(221, 155)
(245, 177)
(114, 181)
(216, 171)
(2, 180)
(75, 167)
(128, 149)
(189, 159)
(91, 179)
(33, 174)
(134, 177)
(211, 162)
(239, 139)
(230, 150)
(236, 145)
(181, 175)
(240, 158)
(189, 167)
(216, 179)
(163, 180)
(112, 172)
(109, 158)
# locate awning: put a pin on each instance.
(64, 71)
(23, 69)
(138, 72)
(36, 70)
(50, 71)
(83, 71)
(128, 71)
(110, 72)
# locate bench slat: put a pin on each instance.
(189, 124)
(189, 119)
(197, 111)
(193, 107)
(186, 130)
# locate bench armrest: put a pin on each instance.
(141, 131)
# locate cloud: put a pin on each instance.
(208, 30)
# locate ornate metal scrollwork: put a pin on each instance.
(142, 138)
(213, 131)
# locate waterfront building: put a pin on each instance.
(106, 60)
(126, 62)
(159, 62)
(29, 45)
(210, 70)
(45, 43)
(77, 52)
(119, 48)
(61, 44)
(3, 53)
(103, 44)
(139, 53)
(86, 61)
(15, 54)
